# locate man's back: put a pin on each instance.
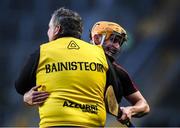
(74, 72)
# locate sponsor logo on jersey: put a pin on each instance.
(84, 107)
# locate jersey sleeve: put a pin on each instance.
(27, 77)
(128, 85)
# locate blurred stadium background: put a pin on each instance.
(150, 55)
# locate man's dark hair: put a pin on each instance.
(69, 21)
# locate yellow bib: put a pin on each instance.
(74, 72)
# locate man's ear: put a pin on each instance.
(57, 30)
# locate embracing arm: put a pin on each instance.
(27, 76)
(35, 97)
(26, 82)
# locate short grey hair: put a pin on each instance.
(70, 22)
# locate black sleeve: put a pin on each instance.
(27, 77)
(128, 85)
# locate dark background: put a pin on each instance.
(150, 55)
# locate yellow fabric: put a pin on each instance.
(74, 72)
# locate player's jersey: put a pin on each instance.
(120, 79)
(74, 72)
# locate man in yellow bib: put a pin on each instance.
(71, 71)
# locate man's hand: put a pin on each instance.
(35, 97)
(126, 114)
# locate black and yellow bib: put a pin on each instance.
(74, 72)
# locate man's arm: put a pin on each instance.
(27, 76)
(26, 82)
(139, 107)
(35, 97)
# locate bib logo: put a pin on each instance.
(73, 45)
(84, 107)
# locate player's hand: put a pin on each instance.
(35, 97)
(126, 114)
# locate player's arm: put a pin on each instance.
(139, 106)
(26, 82)
(27, 77)
(35, 97)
